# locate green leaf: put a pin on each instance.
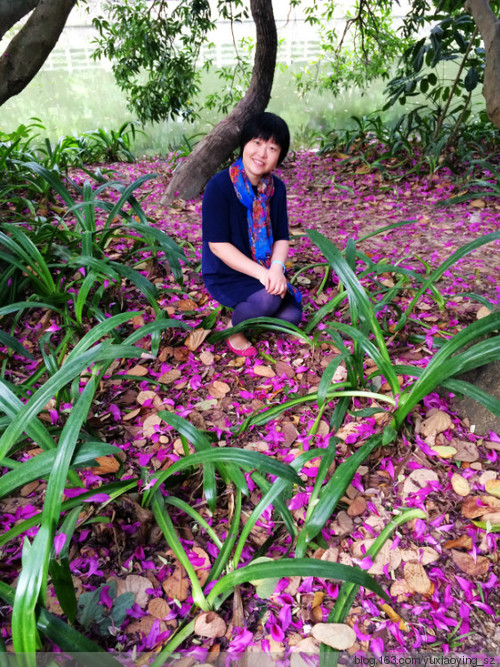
(332, 492)
(301, 567)
(41, 465)
(10, 342)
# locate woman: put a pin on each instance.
(245, 232)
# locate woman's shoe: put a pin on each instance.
(245, 352)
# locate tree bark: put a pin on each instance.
(30, 48)
(489, 26)
(12, 11)
(192, 175)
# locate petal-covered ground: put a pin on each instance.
(441, 571)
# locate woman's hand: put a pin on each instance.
(275, 282)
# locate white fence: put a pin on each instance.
(298, 44)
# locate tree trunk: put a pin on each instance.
(30, 48)
(489, 27)
(12, 12)
(192, 175)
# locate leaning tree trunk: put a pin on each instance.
(30, 48)
(12, 12)
(489, 26)
(192, 175)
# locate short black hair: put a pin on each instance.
(266, 126)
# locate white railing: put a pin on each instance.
(74, 50)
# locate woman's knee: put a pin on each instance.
(267, 304)
(292, 314)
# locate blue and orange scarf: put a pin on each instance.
(258, 205)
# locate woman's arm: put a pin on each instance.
(235, 259)
(273, 279)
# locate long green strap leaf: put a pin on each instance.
(36, 559)
(301, 567)
(41, 465)
(333, 492)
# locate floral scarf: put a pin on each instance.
(258, 205)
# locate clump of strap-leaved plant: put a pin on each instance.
(366, 299)
(67, 449)
(43, 263)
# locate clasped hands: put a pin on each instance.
(274, 280)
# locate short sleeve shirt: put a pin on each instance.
(224, 220)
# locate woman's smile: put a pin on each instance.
(260, 157)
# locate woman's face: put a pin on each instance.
(260, 156)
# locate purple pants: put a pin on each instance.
(263, 304)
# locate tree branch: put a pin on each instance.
(12, 12)
(30, 48)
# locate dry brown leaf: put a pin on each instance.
(476, 506)
(209, 624)
(400, 590)
(196, 338)
(218, 389)
(176, 586)
(158, 608)
(170, 376)
(422, 555)
(203, 569)
(186, 305)
(134, 583)
(460, 485)
(106, 465)
(145, 396)
(331, 555)
(144, 625)
(131, 415)
(473, 507)
(290, 433)
(417, 480)
(293, 585)
(343, 524)
(484, 311)
(463, 542)
(477, 203)
(264, 371)
(468, 564)
(150, 424)
(138, 321)
(207, 358)
(466, 451)
(27, 489)
(386, 557)
(436, 423)
(347, 429)
(487, 476)
(306, 645)
(138, 371)
(357, 507)
(337, 635)
(492, 487)
(417, 579)
(283, 368)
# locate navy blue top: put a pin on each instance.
(224, 220)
